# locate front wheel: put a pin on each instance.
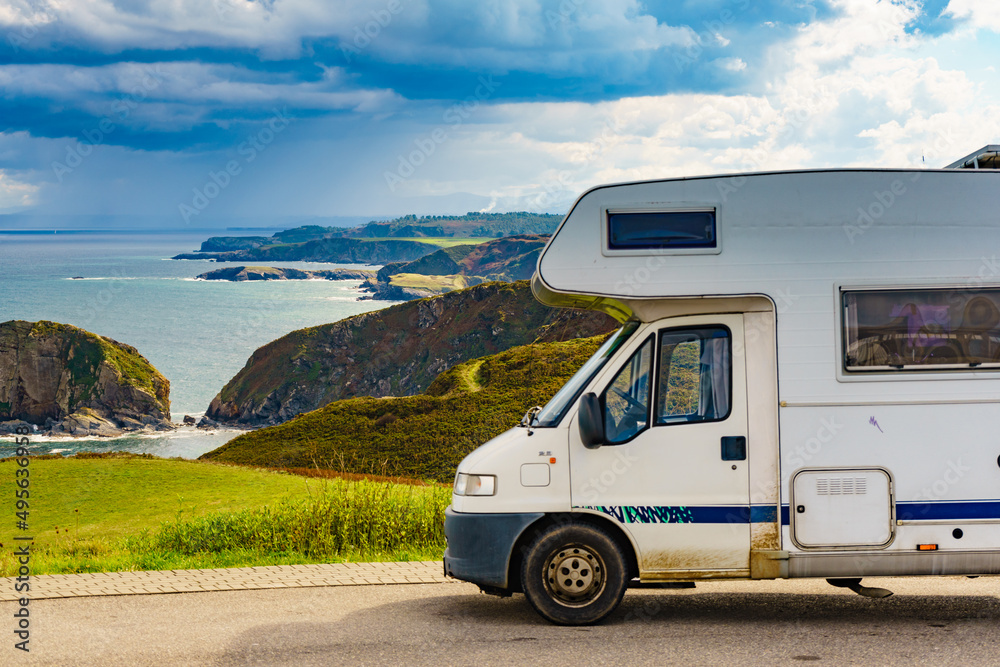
(574, 574)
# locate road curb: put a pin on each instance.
(53, 586)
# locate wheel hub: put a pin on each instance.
(574, 575)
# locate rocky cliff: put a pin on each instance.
(393, 352)
(423, 436)
(509, 258)
(68, 380)
(336, 250)
(244, 273)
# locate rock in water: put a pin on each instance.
(77, 382)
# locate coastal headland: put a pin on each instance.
(244, 273)
(60, 379)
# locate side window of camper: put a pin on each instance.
(695, 380)
(626, 400)
(921, 329)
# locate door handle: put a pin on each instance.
(734, 448)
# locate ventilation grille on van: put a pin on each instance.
(841, 486)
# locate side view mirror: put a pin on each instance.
(591, 421)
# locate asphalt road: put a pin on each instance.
(947, 621)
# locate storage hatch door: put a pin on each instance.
(841, 508)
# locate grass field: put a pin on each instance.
(437, 284)
(439, 241)
(130, 513)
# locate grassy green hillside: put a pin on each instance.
(117, 512)
(397, 351)
(423, 436)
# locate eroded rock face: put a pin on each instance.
(71, 381)
(397, 351)
(245, 273)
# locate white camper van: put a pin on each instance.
(806, 383)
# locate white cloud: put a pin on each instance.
(935, 140)
(855, 89)
(981, 13)
(23, 16)
(177, 95)
(732, 64)
(14, 194)
(848, 91)
(533, 35)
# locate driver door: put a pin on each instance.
(674, 472)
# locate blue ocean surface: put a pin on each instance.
(198, 333)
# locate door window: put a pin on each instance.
(626, 400)
(695, 379)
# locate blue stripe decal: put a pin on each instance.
(688, 513)
(973, 509)
(763, 514)
(935, 511)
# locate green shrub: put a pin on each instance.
(347, 518)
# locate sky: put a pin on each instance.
(203, 113)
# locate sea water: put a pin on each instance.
(197, 333)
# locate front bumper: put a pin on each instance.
(480, 545)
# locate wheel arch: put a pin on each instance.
(614, 530)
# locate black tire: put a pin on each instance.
(574, 574)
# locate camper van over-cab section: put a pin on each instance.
(806, 383)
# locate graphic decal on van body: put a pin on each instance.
(688, 514)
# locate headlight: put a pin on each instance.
(475, 485)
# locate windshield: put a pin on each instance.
(554, 410)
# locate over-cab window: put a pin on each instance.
(695, 380)
(652, 230)
(921, 329)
